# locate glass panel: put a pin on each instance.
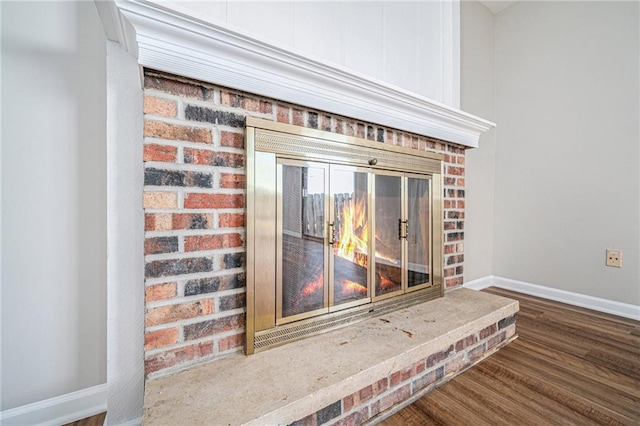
(302, 239)
(387, 242)
(349, 192)
(418, 237)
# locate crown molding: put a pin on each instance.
(179, 43)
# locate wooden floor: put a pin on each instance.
(569, 366)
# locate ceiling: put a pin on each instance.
(497, 6)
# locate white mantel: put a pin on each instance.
(181, 43)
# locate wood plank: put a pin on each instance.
(570, 365)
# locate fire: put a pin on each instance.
(386, 283)
(313, 286)
(354, 233)
(352, 288)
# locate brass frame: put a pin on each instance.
(266, 142)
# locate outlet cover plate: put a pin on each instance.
(614, 258)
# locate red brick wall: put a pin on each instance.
(194, 211)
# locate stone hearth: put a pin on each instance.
(349, 376)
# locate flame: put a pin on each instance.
(352, 288)
(354, 233)
(386, 283)
(313, 286)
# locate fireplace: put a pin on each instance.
(338, 229)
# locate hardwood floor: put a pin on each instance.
(97, 420)
(569, 366)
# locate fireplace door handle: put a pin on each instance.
(332, 234)
(402, 235)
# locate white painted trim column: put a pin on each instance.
(125, 239)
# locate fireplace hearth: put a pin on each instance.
(339, 229)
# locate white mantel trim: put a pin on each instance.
(182, 44)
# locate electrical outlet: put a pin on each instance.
(614, 258)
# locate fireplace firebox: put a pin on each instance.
(339, 229)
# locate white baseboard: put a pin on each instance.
(626, 310)
(60, 409)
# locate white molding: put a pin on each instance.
(183, 44)
(479, 284)
(613, 307)
(60, 409)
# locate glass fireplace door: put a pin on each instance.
(418, 231)
(301, 270)
(349, 236)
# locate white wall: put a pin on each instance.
(567, 153)
(477, 97)
(53, 200)
(413, 44)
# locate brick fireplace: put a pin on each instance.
(194, 203)
(201, 81)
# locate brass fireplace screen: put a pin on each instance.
(338, 229)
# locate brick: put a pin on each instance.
(455, 236)
(232, 180)
(456, 171)
(350, 129)
(505, 322)
(458, 258)
(212, 158)
(466, 342)
(231, 220)
(454, 364)
(338, 126)
(157, 221)
(449, 272)
(496, 340)
(159, 338)
(380, 135)
(212, 242)
(233, 100)
(266, 107)
(325, 123)
(160, 245)
(435, 358)
(423, 381)
(283, 114)
(175, 87)
(232, 140)
(192, 221)
(354, 419)
(394, 397)
(161, 153)
(476, 352)
(487, 331)
(214, 284)
(214, 201)
(329, 412)
(160, 292)
(182, 178)
(214, 326)
(231, 342)
(312, 120)
(162, 130)
(233, 301)
(309, 420)
(371, 133)
(159, 106)
(449, 249)
(178, 312)
(173, 357)
(297, 117)
(160, 200)
(208, 115)
(233, 260)
(453, 282)
(459, 270)
(447, 180)
(360, 130)
(163, 268)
